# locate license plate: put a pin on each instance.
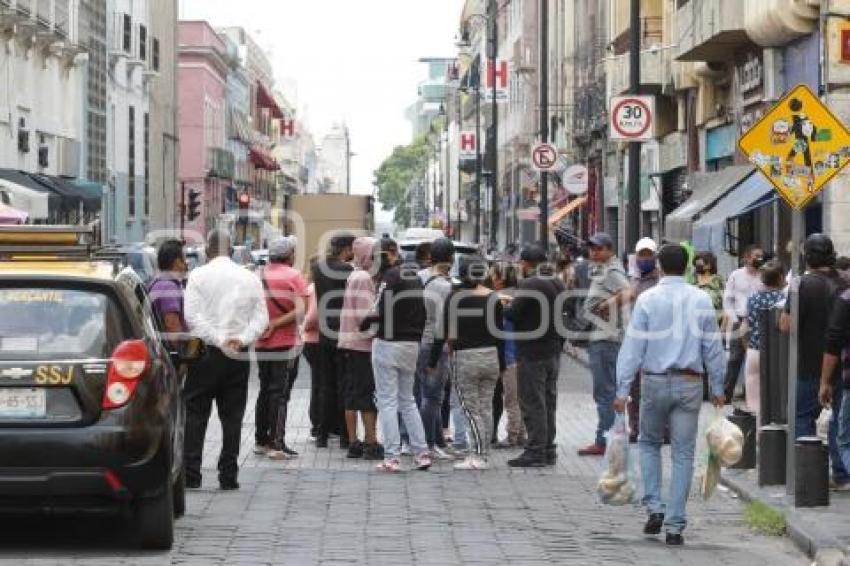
(23, 403)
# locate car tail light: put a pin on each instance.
(128, 364)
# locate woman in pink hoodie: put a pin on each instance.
(359, 381)
(310, 336)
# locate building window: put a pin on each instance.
(131, 169)
(147, 163)
(143, 43)
(127, 42)
(155, 56)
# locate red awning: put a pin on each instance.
(262, 160)
(266, 100)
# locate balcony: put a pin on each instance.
(655, 69)
(710, 30)
(221, 163)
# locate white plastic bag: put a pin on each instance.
(616, 486)
(725, 440)
(823, 424)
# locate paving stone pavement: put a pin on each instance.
(325, 509)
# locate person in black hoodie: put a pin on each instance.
(329, 277)
(532, 311)
(398, 319)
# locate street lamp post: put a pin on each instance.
(493, 51)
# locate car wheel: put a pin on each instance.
(180, 495)
(156, 520)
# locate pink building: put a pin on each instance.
(205, 164)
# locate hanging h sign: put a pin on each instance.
(287, 128)
(468, 145)
(500, 75)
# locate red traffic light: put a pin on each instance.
(244, 200)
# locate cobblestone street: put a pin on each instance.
(325, 509)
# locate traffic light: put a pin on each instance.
(192, 211)
(245, 200)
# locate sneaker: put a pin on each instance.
(654, 524)
(275, 454)
(674, 539)
(472, 463)
(839, 486)
(592, 450)
(423, 461)
(373, 452)
(314, 432)
(194, 483)
(526, 460)
(355, 450)
(405, 450)
(289, 451)
(390, 465)
(261, 449)
(321, 442)
(441, 454)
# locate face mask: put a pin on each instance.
(646, 266)
(758, 262)
(700, 269)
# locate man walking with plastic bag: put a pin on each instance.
(673, 338)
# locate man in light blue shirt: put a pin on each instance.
(673, 338)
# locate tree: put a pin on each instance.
(395, 174)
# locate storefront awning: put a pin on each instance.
(266, 100)
(708, 188)
(710, 230)
(263, 160)
(564, 211)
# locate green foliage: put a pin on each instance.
(395, 174)
(764, 519)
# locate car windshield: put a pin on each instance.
(42, 323)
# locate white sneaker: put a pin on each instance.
(390, 465)
(273, 454)
(441, 454)
(472, 463)
(405, 450)
(423, 461)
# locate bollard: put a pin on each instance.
(747, 423)
(771, 454)
(812, 477)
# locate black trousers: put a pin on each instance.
(224, 380)
(311, 354)
(276, 379)
(331, 372)
(737, 355)
(538, 400)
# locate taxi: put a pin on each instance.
(91, 416)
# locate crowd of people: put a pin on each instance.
(402, 353)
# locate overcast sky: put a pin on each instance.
(353, 60)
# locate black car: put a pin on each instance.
(91, 416)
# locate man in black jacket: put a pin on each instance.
(532, 310)
(330, 276)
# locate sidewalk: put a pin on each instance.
(823, 533)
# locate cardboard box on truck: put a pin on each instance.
(315, 219)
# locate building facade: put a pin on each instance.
(335, 161)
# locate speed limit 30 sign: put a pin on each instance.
(632, 118)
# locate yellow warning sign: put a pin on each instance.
(799, 145)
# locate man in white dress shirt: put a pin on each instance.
(226, 308)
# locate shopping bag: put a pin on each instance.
(823, 421)
(711, 475)
(725, 440)
(616, 486)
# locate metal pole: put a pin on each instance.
(459, 175)
(494, 151)
(544, 119)
(476, 236)
(633, 208)
(797, 220)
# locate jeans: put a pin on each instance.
(431, 388)
(843, 429)
(602, 357)
(394, 364)
(808, 406)
(477, 371)
(538, 398)
(224, 380)
(672, 400)
(839, 465)
(276, 380)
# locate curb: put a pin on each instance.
(824, 550)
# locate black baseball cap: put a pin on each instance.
(533, 253)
